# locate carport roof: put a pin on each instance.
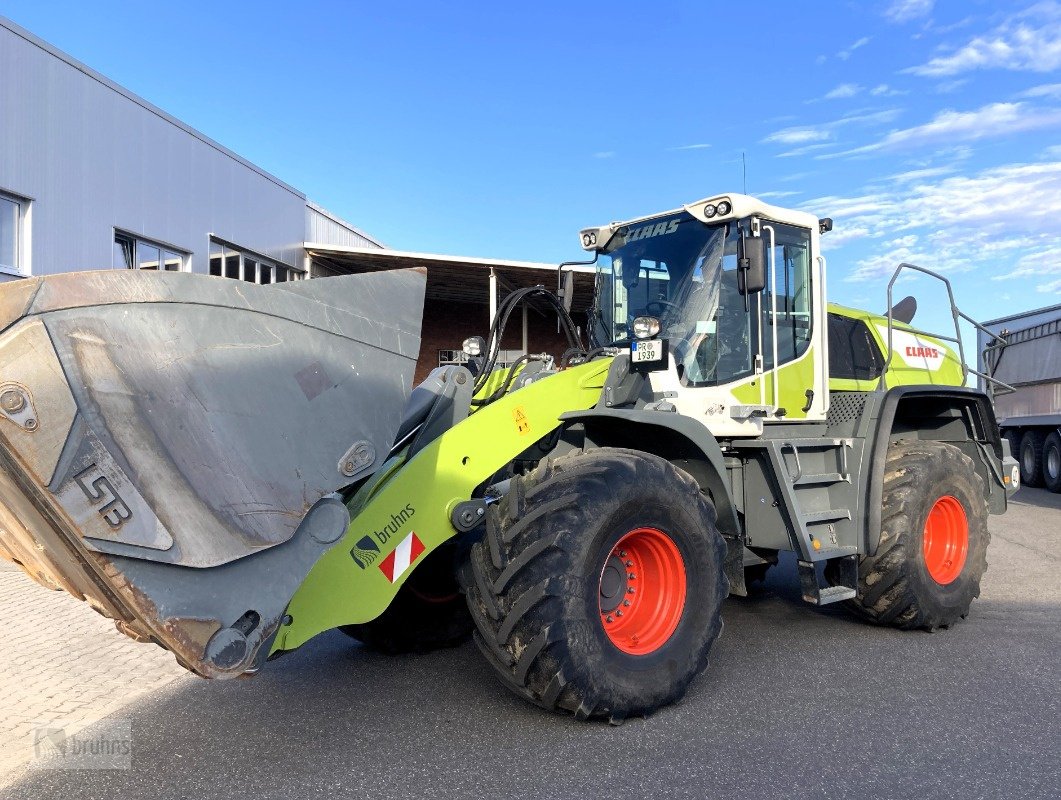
(458, 279)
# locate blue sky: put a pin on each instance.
(929, 131)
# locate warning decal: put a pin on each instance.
(522, 423)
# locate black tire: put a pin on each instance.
(895, 585)
(428, 613)
(1031, 458)
(534, 584)
(1052, 462)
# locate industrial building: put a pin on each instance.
(94, 177)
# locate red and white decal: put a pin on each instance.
(915, 351)
(402, 557)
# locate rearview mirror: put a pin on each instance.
(567, 290)
(751, 264)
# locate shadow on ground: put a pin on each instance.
(797, 702)
(1041, 498)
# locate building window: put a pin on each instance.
(231, 262)
(505, 358)
(132, 252)
(14, 234)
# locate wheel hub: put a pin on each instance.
(613, 584)
(946, 540)
(642, 591)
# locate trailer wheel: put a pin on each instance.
(1052, 462)
(597, 589)
(428, 613)
(933, 547)
(1031, 458)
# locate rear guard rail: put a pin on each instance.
(957, 315)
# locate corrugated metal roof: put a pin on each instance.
(455, 278)
(1024, 314)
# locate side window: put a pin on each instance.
(852, 352)
(229, 262)
(14, 235)
(132, 252)
(791, 258)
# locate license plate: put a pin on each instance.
(647, 350)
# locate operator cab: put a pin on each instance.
(730, 334)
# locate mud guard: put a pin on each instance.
(958, 415)
(679, 439)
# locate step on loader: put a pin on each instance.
(228, 470)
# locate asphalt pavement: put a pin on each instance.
(797, 702)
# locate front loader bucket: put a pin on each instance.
(171, 444)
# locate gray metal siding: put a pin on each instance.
(93, 158)
(322, 228)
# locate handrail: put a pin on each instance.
(957, 315)
(773, 318)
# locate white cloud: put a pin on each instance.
(845, 54)
(805, 150)
(820, 135)
(700, 146)
(775, 195)
(1051, 90)
(1029, 41)
(906, 10)
(604, 154)
(990, 121)
(797, 136)
(843, 90)
(1053, 287)
(949, 87)
(914, 175)
(1004, 221)
(1044, 262)
(884, 90)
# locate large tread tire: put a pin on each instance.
(1031, 458)
(428, 613)
(1052, 462)
(533, 583)
(895, 587)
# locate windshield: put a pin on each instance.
(684, 272)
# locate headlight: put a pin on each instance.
(645, 327)
(709, 210)
(724, 207)
(473, 346)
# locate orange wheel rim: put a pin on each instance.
(642, 591)
(946, 540)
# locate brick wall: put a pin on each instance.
(447, 324)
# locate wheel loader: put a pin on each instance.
(228, 470)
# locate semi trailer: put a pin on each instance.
(1024, 351)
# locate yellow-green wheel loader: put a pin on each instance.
(228, 470)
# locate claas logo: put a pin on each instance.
(923, 352)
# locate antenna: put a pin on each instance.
(744, 169)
